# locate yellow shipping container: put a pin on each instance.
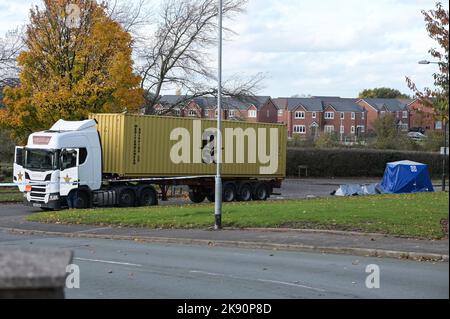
(160, 146)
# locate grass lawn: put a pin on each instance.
(414, 215)
(8, 194)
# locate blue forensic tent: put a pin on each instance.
(406, 177)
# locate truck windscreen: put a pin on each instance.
(41, 160)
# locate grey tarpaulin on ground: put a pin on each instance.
(358, 189)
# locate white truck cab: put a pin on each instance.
(57, 161)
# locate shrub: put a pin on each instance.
(327, 140)
(354, 162)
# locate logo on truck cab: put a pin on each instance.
(241, 146)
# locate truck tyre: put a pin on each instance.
(261, 191)
(228, 192)
(148, 197)
(211, 198)
(82, 200)
(245, 192)
(196, 196)
(127, 197)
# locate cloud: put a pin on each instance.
(327, 47)
(331, 47)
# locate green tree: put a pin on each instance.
(381, 93)
(72, 66)
(386, 132)
(437, 23)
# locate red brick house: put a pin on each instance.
(251, 109)
(346, 118)
(308, 117)
(302, 116)
(379, 107)
(421, 116)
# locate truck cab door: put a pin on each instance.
(68, 174)
(18, 170)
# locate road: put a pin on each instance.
(129, 269)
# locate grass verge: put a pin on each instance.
(414, 215)
(10, 195)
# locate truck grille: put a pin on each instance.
(37, 192)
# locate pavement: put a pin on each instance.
(130, 269)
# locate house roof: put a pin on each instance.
(344, 106)
(210, 102)
(291, 103)
(392, 105)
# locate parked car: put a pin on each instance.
(417, 129)
(417, 136)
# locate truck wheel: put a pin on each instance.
(229, 192)
(127, 198)
(261, 191)
(148, 197)
(245, 192)
(196, 196)
(82, 200)
(211, 197)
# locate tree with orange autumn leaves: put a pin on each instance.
(76, 62)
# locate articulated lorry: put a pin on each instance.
(130, 160)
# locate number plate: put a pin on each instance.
(37, 205)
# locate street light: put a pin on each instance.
(218, 151)
(444, 157)
(427, 62)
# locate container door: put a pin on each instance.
(68, 175)
(18, 170)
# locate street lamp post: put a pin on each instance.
(218, 151)
(444, 125)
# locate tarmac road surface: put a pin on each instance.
(129, 269)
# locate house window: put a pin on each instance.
(313, 115)
(216, 113)
(361, 128)
(300, 129)
(342, 129)
(329, 128)
(299, 115)
(382, 113)
(353, 115)
(363, 115)
(329, 115)
(231, 113)
(342, 115)
(268, 113)
(206, 113)
(192, 113)
(252, 113)
(405, 114)
(438, 125)
(177, 112)
(280, 112)
(353, 129)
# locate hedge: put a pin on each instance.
(355, 162)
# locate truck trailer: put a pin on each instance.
(128, 160)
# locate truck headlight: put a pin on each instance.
(53, 197)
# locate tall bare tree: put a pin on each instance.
(10, 46)
(178, 54)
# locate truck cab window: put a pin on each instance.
(68, 159)
(19, 156)
(83, 155)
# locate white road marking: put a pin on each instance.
(108, 262)
(261, 280)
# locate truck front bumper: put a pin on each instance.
(50, 204)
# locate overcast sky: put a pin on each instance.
(317, 47)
